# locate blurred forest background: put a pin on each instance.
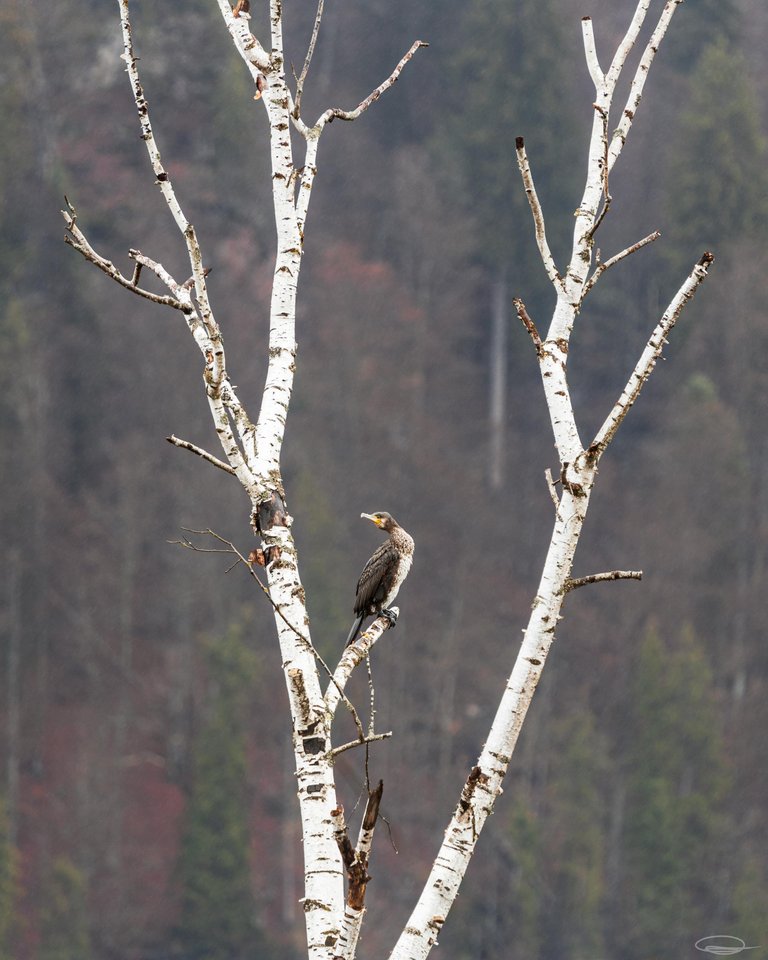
(147, 786)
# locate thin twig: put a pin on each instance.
(232, 549)
(200, 318)
(186, 445)
(538, 215)
(576, 582)
(163, 179)
(628, 41)
(307, 60)
(551, 488)
(312, 134)
(599, 163)
(336, 112)
(612, 261)
(369, 738)
(186, 542)
(77, 239)
(529, 325)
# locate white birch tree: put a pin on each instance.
(333, 907)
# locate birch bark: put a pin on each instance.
(578, 466)
(252, 450)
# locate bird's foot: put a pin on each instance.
(391, 613)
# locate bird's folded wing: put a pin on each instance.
(372, 585)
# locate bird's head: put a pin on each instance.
(385, 521)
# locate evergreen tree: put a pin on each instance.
(64, 916)
(509, 81)
(217, 907)
(505, 78)
(524, 904)
(711, 543)
(574, 850)
(749, 903)
(718, 170)
(704, 20)
(675, 787)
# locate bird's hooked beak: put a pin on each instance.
(372, 517)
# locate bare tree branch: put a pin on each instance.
(186, 445)
(627, 42)
(77, 239)
(538, 215)
(163, 179)
(638, 82)
(368, 738)
(296, 112)
(598, 166)
(230, 548)
(336, 112)
(354, 654)
(551, 487)
(612, 261)
(603, 164)
(575, 583)
(529, 325)
(648, 359)
(220, 393)
(590, 52)
(159, 271)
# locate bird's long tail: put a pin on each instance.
(355, 630)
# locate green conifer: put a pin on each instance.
(675, 787)
(574, 849)
(218, 919)
(718, 169)
(511, 84)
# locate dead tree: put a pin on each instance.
(252, 449)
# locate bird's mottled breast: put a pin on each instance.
(403, 542)
(405, 546)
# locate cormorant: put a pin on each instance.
(384, 573)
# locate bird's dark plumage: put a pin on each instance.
(384, 573)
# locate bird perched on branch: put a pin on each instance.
(384, 573)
